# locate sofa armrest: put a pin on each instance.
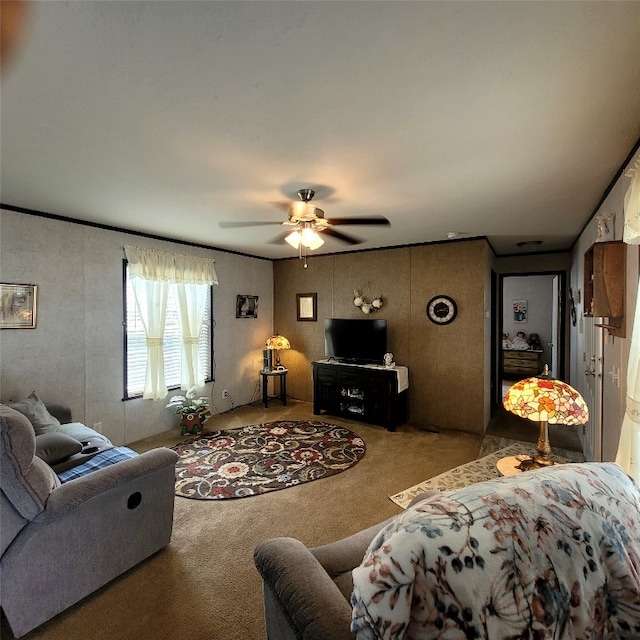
(314, 606)
(345, 555)
(72, 493)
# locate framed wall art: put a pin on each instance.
(18, 306)
(246, 306)
(307, 307)
(520, 308)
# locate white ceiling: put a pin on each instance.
(504, 119)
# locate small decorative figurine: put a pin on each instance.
(534, 342)
(519, 342)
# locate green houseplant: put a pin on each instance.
(193, 411)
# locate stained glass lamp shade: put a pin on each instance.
(278, 342)
(546, 401)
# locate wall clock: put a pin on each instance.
(442, 309)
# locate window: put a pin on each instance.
(135, 343)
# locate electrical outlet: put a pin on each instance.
(226, 394)
(97, 426)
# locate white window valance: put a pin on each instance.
(632, 206)
(161, 266)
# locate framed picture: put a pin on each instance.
(307, 307)
(18, 306)
(246, 306)
(520, 311)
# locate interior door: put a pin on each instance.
(593, 357)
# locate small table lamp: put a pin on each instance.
(547, 401)
(278, 342)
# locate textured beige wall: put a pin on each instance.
(75, 356)
(447, 364)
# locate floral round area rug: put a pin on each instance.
(249, 461)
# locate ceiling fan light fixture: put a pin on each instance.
(293, 238)
(311, 239)
(306, 237)
(306, 225)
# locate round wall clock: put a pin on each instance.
(442, 309)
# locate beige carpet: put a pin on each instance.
(204, 585)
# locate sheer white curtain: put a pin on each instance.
(628, 455)
(151, 271)
(192, 302)
(151, 300)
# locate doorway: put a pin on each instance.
(531, 306)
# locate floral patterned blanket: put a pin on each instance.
(549, 554)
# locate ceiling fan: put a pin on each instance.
(307, 223)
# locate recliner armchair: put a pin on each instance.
(61, 542)
(306, 591)
(548, 553)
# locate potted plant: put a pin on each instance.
(192, 411)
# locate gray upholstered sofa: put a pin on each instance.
(61, 542)
(549, 553)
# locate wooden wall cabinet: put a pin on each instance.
(605, 265)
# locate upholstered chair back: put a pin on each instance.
(25, 480)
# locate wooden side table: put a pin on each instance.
(277, 373)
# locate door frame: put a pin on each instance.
(497, 335)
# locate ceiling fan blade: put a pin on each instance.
(376, 220)
(235, 225)
(341, 236)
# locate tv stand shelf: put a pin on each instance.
(359, 392)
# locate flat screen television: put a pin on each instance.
(359, 341)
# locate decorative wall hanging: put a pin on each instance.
(18, 306)
(520, 308)
(247, 306)
(307, 307)
(572, 306)
(605, 227)
(442, 310)
(367, 305)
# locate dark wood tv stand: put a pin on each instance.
(359, 392)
